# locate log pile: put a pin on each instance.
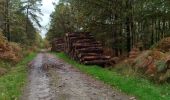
(57, 45)
(84, 48)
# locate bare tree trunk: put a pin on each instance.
(128, 34)
(27, 19)
(152, 36)
(7, 23)
(129, 26)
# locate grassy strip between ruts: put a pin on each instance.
(11, 84)
(139, 87)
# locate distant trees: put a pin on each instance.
(31, 9)
(16, 20)
(120, 24)
(61, 21)
(1, 14)
(4, 16)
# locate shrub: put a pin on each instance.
(153, 64)
(164, 45)
(9, 51)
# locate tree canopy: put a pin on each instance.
(119, 24)
(17, 18)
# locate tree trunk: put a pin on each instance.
(128, 34)
(27, 18)
(152, 37)
(7, 23)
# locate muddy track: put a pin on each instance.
(52, 79)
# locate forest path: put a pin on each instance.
(52, 79)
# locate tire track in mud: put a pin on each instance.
(52, 79)
(39, 82)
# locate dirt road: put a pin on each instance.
(52, 79)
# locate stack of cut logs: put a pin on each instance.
(57, 45)
(84, 48)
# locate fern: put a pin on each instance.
(161, 65)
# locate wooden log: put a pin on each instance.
(74, 39)
(90, 51)
(85, 41)
(78, 34)
(87, 46)
(88, 54)
(84, 44)
(90, 58)
(57, 45)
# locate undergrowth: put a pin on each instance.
(5, 64)
(132, 85)
(11, 83)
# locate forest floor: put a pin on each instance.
(52, 79)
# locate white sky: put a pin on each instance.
(47, 8)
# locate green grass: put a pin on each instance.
(131, 85)
(11, 83)
(5, 64)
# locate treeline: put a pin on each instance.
(16, 21)
(119, 24)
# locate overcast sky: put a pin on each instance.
(47, 8)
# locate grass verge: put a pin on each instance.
(11, 83)
(131, 85)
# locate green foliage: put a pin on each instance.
(161, 65)
(9, 51)
(32, 9)
(61, 21)
(132, 85)
(5, 64)
(4, 67)
(12, 83)
(126, 70)
(119, 24)
(16, 24)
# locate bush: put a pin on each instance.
(153, 64)
(9, 51)
(164, 45)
